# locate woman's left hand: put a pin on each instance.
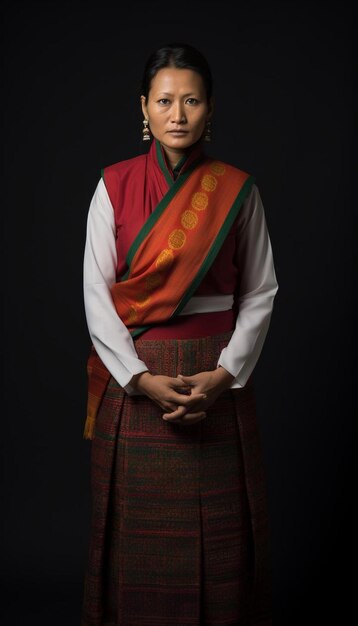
(211, 383)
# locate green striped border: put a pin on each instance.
(138, 331)
(162, 163)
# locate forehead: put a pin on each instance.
(173, 80)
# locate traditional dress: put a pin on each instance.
(178, 279)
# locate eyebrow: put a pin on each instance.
(165, 93)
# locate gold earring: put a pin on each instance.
(207, 136)
(146, 131)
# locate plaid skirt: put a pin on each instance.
(179, 532)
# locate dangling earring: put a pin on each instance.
(207, 136)
(146, 131)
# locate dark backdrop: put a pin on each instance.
(284, 112)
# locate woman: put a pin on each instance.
(179, 284)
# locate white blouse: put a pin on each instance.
(258, 286)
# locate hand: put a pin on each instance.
(171, 394)
(211, 384)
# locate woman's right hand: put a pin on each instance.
(172, 395)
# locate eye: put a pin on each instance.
(192, 101)
(163, 101)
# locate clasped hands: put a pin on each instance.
(185, 399)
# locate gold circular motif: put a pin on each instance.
(189, 220)
(199, 201)
(143, 300)
(209, 182)
(176, 239)
(217, 168)
(164, 259)
(132, 315)
(153, 281)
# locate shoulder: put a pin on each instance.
(252, 209)
(220, 168)
(119, 175)
(125, 167)
(253, 198)
(239, 179)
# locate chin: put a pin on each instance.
(182, 142)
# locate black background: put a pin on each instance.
(283, 83)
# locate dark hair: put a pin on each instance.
(178, 55)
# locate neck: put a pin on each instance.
(173, 155)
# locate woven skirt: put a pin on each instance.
(179, 532)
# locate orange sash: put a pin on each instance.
(170, 256)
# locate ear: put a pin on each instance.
(210, 108)
(144, 106)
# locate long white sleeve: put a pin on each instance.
(109, 335)
(256, 291)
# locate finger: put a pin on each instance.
(176, 414)
(183, 390)
(193, 417)
(174, 399)
(177, 382)
(181, 414)
(187, 418)
(193, 383)
(169, 407)
(195, 402)
(189, 380)
(185, 400)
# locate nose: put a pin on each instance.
(178, 115)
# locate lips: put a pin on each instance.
(178, 132)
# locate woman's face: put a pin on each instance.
(177, 108)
